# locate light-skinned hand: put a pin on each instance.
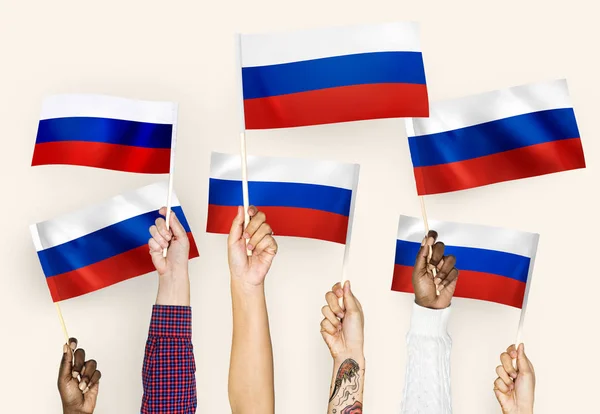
(250, 270)
(343, 325)
(78, 380)
(515, 387)
(424, 283)
(173, 281)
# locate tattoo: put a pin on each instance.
(348, 372)
(355, 408)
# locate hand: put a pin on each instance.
(515, 388)
(250, 270)
(173, 281)
(425, 284)
(78, 380)
(343, 326)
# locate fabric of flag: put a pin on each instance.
(329, 75)
(495, 264)
(520, 132)
(300, 197)
(106, 132)
(104, 244)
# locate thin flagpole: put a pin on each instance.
(426, 222)
(525, 300)
(62, 322)
(346, 259)
(245, 196)
(171, 168)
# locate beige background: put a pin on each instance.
(183, 51)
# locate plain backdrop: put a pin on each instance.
(183, 51)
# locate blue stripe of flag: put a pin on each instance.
(494, 262)
(277, 194)
(104, 243)
(332, 72)
(105, 130)
(493, 137)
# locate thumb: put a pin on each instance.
(66, 365)
(421, 261)
(237, 227)
(350, 301)
(523, 364)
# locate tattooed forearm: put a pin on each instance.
(346, 394)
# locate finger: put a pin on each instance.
(93, 384)
(328, 327)
(268, 245)
(73, 344)
(448, 280)
(512, 351)
(252, 211)
(88, 370)
(421, 260)
(256, 221)
(79, 360)
(330, 316)
(350, 302)
(158, 237)
(237, 227)
(507, 365)
(338, 290)
(161, 226)
(66, 364)
(504, 376)
(523, 362)
(447, 264)
(259, 234)
(334, 304)
(501, 386)
(438, 253)
(176, 226)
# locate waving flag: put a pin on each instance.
(495, 264)
(103, 244)
(341, 74)
(302, 198)
(497, 136)
(106, 132)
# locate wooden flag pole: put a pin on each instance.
(525, 300)
(245, 196)
(171, 169)
(346, 259)
(424, 214)
(62, 322)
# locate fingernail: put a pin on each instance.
(86, 390)
(82, 371)
(250, 247)
(437, 281)
(513, 355)
(82, 385)
(513, 375)
(168, 236)
(246, 236)
(73, 346)
(339, 293)
(424, 241)
(340, 315)
(440, 287)
(75, 374)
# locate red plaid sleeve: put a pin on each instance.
(168, 374)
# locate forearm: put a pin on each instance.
(428, 366)
(251, 366)
(168, 374)
(347, 385)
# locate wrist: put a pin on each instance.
(357, 356)
(244, 287)
(173, 289)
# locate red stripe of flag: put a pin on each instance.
(102, 155)
(286, 221)
(473, 285)
(341, 104)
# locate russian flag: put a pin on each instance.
(302, 198)
(495, 264)
(104, 244)
(329, 75)
(497, 136)
(106, 132)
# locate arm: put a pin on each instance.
(515, 386)
(251, 387)
(168, 374)
(343, 332)
(427, 385)
(78, 380)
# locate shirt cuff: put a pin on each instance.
(171, 321)
(432, 322)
